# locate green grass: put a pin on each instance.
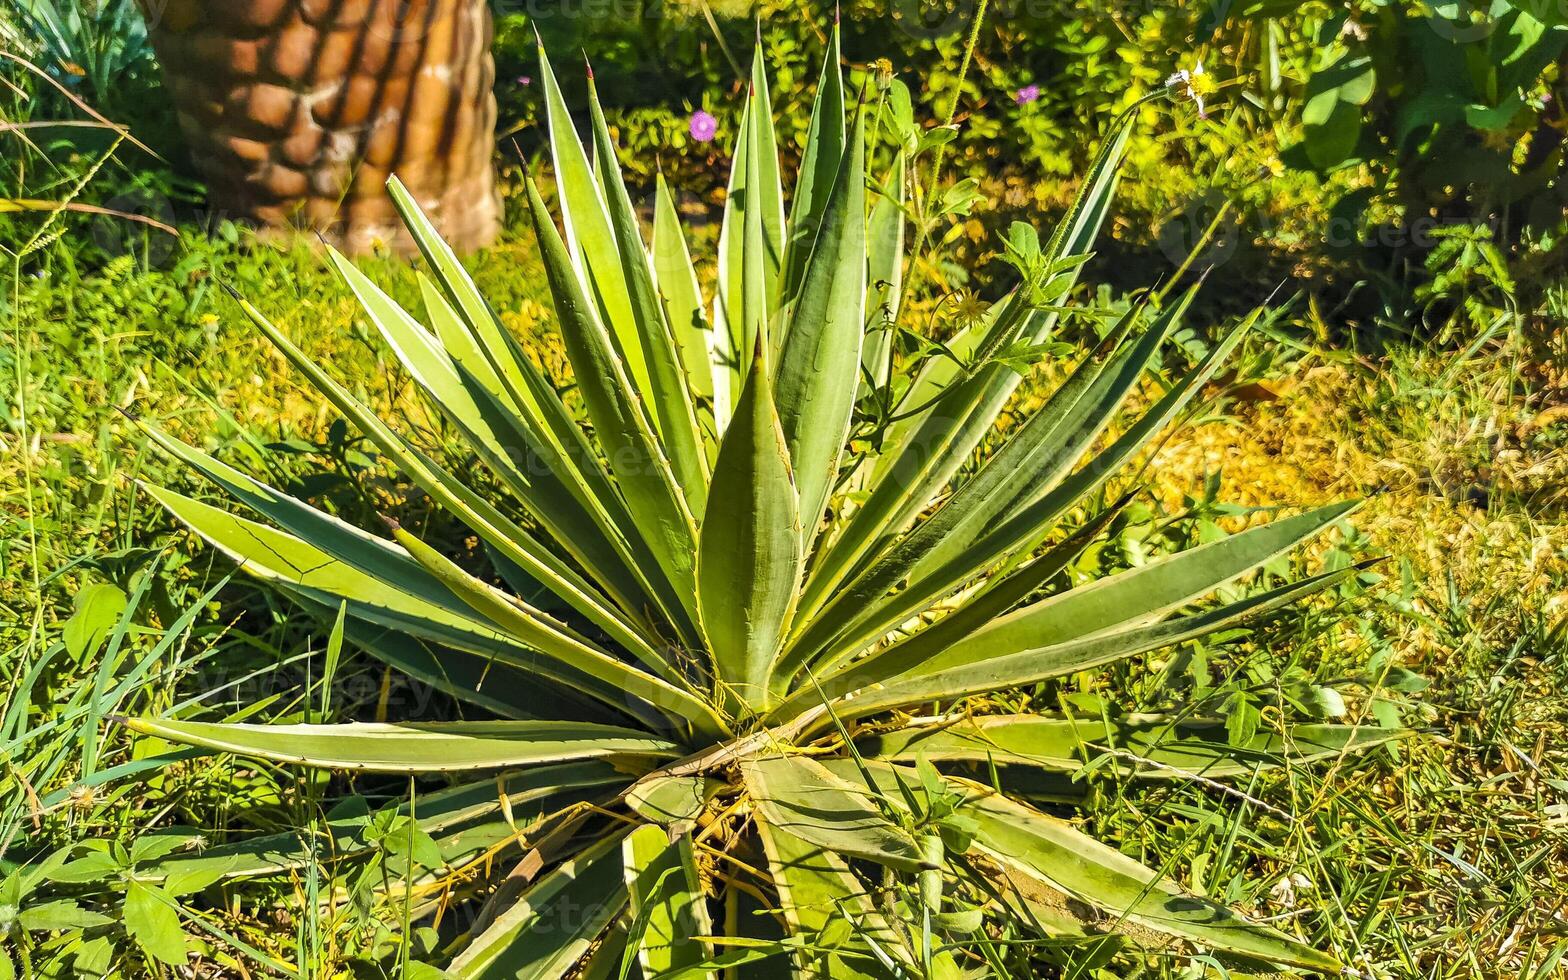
(83, 351)
(1453, 862)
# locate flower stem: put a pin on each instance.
(924, 202)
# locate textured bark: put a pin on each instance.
(297, 111)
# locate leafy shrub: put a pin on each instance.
(763, 536)
(1341, 137)
(98, 46)
(1452, 111)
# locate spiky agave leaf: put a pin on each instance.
(740, 582)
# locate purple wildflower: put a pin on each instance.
(525, 80)
(1027, 94)
(703, 126)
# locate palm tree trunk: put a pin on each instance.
(297, 111)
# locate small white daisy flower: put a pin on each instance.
(1194, 84)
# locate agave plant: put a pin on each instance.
(742, 715)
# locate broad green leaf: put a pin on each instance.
(154, 844)
(749, 566)
(667, 901)
(152, 921)
(480, 515)
(640, 467)
(1031, 519)
(753, 223)
(94, 611)
(526, 798)
(1148, 591)
(1036, 458)
(590, 234)
(1156, 747)
(817, 888)
(554, 639)
(991, 667)
(513, 451)
(665, 799)
(60, 915)
(1331, 113)
(819, 367)
(800, 797)
(668, 392)
(544, 934)
(96, 866)
(306, 571)
(930, 448)
(819, 164)
(1050, 852)
(681, 295)
(188, 882)
(456, 746)
(19, 882)
(94, 957)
